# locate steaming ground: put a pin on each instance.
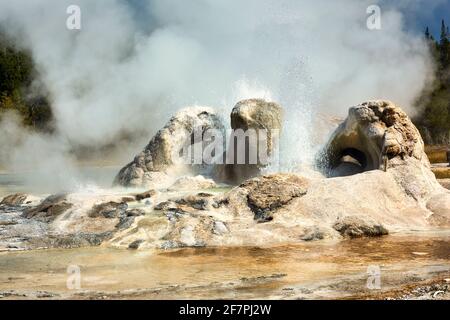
(133, 64)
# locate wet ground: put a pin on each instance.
(43, 184)
(319, 270)
(414, 265)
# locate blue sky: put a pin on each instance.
(417, 13)
(428, 13)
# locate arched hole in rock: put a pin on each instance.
(350, 161)
(340, 160)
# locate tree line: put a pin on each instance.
(20, 90)
(434, 120)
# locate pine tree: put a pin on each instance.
(444, 46)
(427, 33)
(17, 72)
(434, 122)
(443, 32)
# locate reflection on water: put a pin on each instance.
(244, 272)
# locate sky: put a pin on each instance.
(418, 13)
(422, 13)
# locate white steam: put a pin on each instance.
(134, 63)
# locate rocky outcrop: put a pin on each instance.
(376, 143)
(161, 160)
(375, 135)
(158, 165)
(357, 227)
(278, 208)
(145, 195)
(263, 118)
(192, 183)
(109, 209)
(267, 193)
(377, 156)
(14, 199)
(63, 221)
(257, 114)
(281, 208)
(49, 208)
(264, 210)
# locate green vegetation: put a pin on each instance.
(434, 121)
(17, 74)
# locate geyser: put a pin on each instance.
(268, 209)
(133, 63)
(375, 135)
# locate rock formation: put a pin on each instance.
(392, 189)
(404, 195)
(14, 199)
(375, 135)
(192, 183)
(161, 159)
(268, 193)
(266, 119)
(50, 208)
(257, 114)
(378, 137)
(62, 221)
(356, 227)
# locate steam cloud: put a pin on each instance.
(134, 63)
